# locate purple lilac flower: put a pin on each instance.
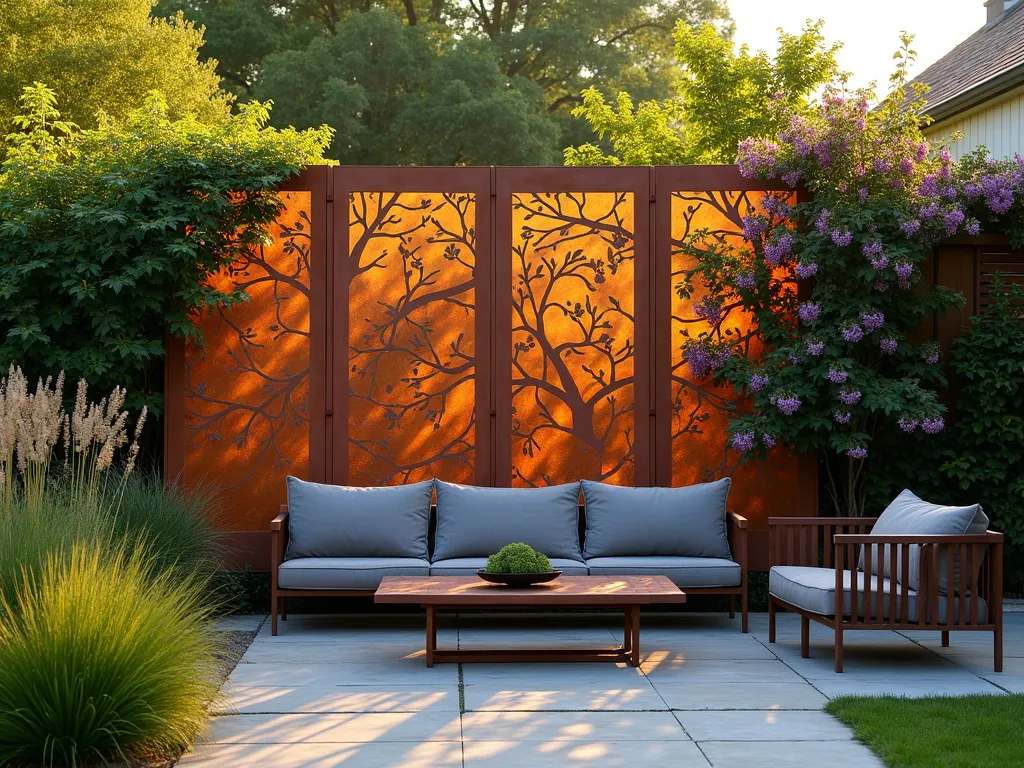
(743, 441)
(880, 262)
(708, 309)
(703, 358)
(794, 358)
(873, 320)
(930, 211)
(850, 396)
(948, 192)
(810, 312)
(952, 220)
(821, 223)
(853, 333)
(803, 271)
(933, 426)
(842, 417)
(858, 452)
(889, 345)
(837, 375)
(842, 239)
(931, 357)
(998, 193)
(862, 194)
(972, 227)
(881, 286)
(758, 382)
(815, 348)
(776, 206)
(903, 283)
(777, 250)
(789, 404)
(907, 424)
(881, 165)
(753, 227)
(907, 166)
(874, 248)
(904, 270)
(792, 178)
(922, 151)
(929, 186)
(768, 440)
(911, 227)
(757, 157)
(822, 153)
(746, 281)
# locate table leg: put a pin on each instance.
(627, 634)
(634, 646)
(431, 634)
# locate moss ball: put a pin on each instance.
(518, 558)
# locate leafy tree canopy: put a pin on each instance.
(104, 55)
(394, 100)
(723, 97)
(544, 52)
(108, 236)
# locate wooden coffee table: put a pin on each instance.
(461, 592)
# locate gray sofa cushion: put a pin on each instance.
(477, 522)
(693, 572)
(467, 566)
(680, 522)
(362, 573)
(907, 514)
(338, 521)
(814, 590)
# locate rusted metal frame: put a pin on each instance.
(351, 179)
(510, 181)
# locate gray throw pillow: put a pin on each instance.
(340, 521)
(683, 522)
(908, 514)
(477, 522)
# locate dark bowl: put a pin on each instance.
(519, 579)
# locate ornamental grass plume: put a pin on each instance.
(34, 427)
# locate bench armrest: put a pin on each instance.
(281, 521)
(807, 541)
(990, 537)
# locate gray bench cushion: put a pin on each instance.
(684, 572)
(814, 590)
(466, 566)
(477, 522)
(339, 521)
(908, 514)
(364, 573)
(679, 522)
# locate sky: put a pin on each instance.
(869, 29)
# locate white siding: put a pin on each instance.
(997, 125)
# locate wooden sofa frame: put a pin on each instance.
(833, 543)
(736, 529)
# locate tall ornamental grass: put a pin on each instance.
(103, 656)
(105, 645)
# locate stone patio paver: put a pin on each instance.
(344, 691)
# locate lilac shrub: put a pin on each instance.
(836, 366)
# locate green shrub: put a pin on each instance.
(518, 558)
(180, 525)
(985, 457)
(101, 656)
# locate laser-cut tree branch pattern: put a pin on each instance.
(249, 388)
(411, 337)
(572, 337)
(703, 220)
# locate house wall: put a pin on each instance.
(998, 125)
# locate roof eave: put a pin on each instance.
(988, 89)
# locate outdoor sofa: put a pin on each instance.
(919, 566)
(339, 541)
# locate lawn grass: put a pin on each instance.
(951, 732)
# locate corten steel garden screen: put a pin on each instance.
(494, 326)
